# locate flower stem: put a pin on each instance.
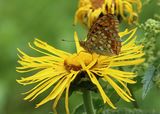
(88, 104)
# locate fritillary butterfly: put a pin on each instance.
(103, 36)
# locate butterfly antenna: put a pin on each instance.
(67, 40)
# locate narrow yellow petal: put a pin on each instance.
(26, 70)
(133, 31)
(39, 50)
(56, 102)
(38, 85)
(66, 99)
(127, 63)
(57, 89)
(121, 9)
(125, 86)
(46, 73)
(121, 34)
(82, 64)
(123, 79)
(35, 92)
(119, 91)
(78, 47)
(43, 88)
(58, 97)
(92, 63)
(129, 56)
(119, 73)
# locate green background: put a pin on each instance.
(51, 21)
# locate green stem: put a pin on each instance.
(88, 104)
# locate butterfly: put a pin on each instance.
(103, 37)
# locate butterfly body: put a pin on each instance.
(103, 36)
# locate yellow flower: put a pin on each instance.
(89, 10)
(58, 69)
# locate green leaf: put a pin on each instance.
(128, 111)
(148, 80)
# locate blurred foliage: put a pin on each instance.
(52, 21)
(129, 111)
(152, 32)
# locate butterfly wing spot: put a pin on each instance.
(105, 37)
(100, 41)
(101, 48)
(106, 29)
(102, 34)
(109, 41)
(98, 32)
(109, 46)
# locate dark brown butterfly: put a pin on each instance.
(103, 36)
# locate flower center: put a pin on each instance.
(97, 3)
(73, 62)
